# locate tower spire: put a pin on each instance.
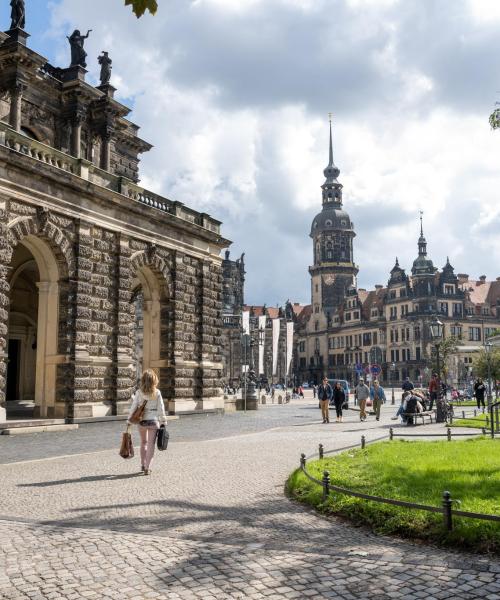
(330, 163)
(332, 189)
(422, 242)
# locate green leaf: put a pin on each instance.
(141, 6)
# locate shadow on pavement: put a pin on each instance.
(90, 478)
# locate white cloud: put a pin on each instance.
(235, 95)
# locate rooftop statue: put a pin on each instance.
(17, 14)
(78, 54)
(106, 67)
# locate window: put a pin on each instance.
(316, 288)
(316, 344)
(328, 223)
(374, 312)
(485, 310)
(416, 332)
(355, 314)
(316, 325)
(457, 309)
(392, 294)
(402, 293)
(374, 337)
(449, 289)
(331, 360)
(331, 342)
(302, 362)
(474, 334)
(348, 316)
(417, 352)
(456, 331)
(443, 308)
(367, 339)
(302, 346)
(316, 308)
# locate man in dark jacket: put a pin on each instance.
(407, 385)
(479, 392)
(325, 394)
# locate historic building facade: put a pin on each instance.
(99, 278)
(347, 327)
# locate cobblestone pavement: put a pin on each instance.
(211, 522)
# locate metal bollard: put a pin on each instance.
(448, 433)
(475, 412)
(463, 414)
(326, 485)
(391, 433)
(321, 450)
(447, 517)
(303, 461)
(363, 442)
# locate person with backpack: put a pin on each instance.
(338, 400)
(325, 394)
(148, 398)
(412, 406)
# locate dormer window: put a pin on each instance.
(328, 223)
(343, 222)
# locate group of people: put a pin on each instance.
(326, 394)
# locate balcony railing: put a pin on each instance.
(86, 170)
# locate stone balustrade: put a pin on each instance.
(88, 171)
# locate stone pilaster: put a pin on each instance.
(82, 336)
(124, 329)
(5, 257)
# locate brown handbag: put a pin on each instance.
(126, 447)
(137, 415)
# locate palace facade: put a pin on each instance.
(99, 278)
(347, 328)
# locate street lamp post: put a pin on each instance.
(487, 347)
(436, 331)
(393, 370)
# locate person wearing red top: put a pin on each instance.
(433, 389)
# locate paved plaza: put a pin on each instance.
(212, 522)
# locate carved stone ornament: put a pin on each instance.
(151, 250)
(43, 215)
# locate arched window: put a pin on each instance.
(328, 223)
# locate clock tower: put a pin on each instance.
(332, 231)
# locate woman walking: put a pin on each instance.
(338, 400)
(154, 412)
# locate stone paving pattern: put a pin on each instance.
(211, 522)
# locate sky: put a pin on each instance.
(235, 96)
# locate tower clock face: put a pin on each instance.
(328, 279)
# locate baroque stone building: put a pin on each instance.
(347, 328)
(99, 277)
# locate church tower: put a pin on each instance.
(332, 232)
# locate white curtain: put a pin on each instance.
(276, 338)
(246, 322)
(262, 343)
(289, 345)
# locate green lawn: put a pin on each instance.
(415, 472)
(475, 422)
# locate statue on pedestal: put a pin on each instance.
(106, 67)
(78, 54)
(17, 14)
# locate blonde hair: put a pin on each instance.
(149, 382)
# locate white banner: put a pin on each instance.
(262, 343)
(245, 321)
(276, 338)
(289, 345)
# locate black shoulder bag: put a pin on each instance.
(162, 438)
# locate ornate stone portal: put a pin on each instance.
(98, 276)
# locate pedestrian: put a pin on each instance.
(362, 393)
(154, 412)
(407, 385)
(301, 392)
(377, 395)
(433, 389)
(402, 407)
(479, 392)
(325, 394)
(338, 400)
(314, 391)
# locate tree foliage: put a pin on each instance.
(447, 348)
(141, 6)
(481, 364)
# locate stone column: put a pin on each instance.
(16, 96)
(106, 151)
(76, 135)
(5, 257)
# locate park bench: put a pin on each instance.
(419, 415)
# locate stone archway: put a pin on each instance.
(33, 325)
(151, 299)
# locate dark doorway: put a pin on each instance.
(13, 370)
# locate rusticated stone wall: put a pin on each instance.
(96, 314)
